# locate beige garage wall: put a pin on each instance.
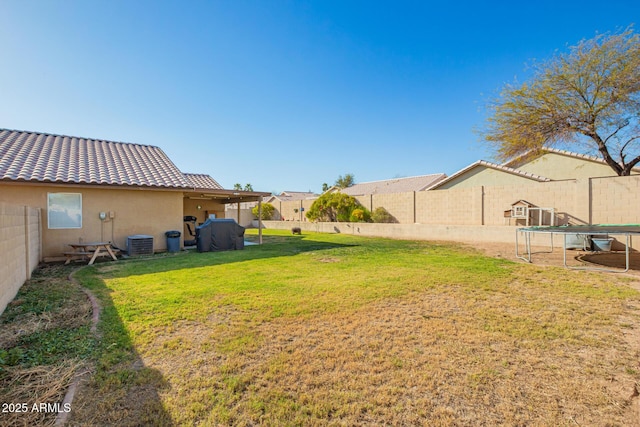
(134, 211)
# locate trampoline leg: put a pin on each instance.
(527, 243)
(626, 252)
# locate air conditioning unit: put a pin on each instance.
(139, 244)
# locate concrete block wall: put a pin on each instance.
(615, 200)
(400, 205)
(20, 248)
(610, 200)
(450, 207)
(455, 233)
(560, 195)
(287, 210)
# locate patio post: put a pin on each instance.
(260, 222)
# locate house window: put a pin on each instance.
(64, 210)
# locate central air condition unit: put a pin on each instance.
(139, 244)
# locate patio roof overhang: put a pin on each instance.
(226, 196)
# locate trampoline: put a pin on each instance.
(588, 230)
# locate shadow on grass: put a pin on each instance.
(123, 391)
(612, 259)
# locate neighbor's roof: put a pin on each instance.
(396, 185)
(490, 165)
(41, 157)
(203, 181)
(290, 196)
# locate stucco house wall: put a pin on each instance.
(136, 211)
(558, 167)
(202, 208)
(485, 176)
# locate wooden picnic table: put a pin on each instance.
(90, 250)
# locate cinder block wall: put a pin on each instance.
(287, 210)
(400, 205)
(20, 248)
(615, 200)
(455, 233)
(610, 200)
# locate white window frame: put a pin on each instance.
(519, 211)
(68, 203)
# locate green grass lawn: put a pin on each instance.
(343, 330)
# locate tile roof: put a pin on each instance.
(396, 185)
(202, 181)
(41, 157)
(492, 166)
(289, 196)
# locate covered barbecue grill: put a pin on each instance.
(219, 235)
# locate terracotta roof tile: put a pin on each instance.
(203, 181)
(41, 157)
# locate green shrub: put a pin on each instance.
(332, 207)
(360, 215)
(267, 211)
(381, 215)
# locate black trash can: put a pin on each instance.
(173, 240)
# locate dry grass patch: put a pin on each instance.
(436, 358)
(32, 387)
(44, 342)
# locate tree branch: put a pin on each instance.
(626, 171)
(604, 151)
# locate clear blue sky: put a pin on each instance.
(284, 95)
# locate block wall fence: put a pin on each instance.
(20, 248)
(610, 200)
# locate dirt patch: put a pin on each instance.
(328, 259)
(541, 255)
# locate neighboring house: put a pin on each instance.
(291, 196)
(395, 185)
(533, 167)
(97, 190)
(291, 205)
(560, 164)
(488, 174)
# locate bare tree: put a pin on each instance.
(587, 98)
